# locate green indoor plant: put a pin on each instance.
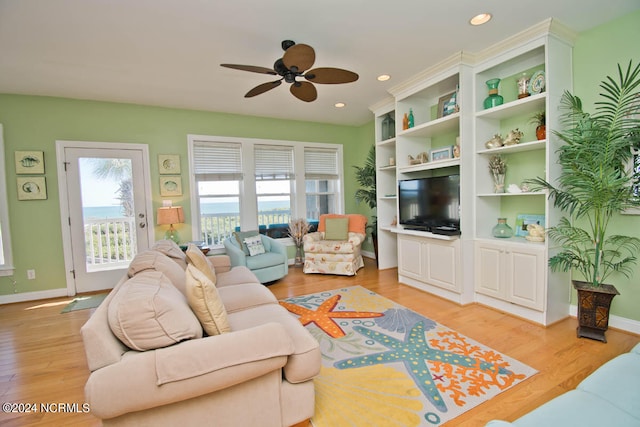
(366, 179)
(593, 186)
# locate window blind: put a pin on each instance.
(273, 162)
(213, 161)
(320, 163)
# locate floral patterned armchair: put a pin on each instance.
(335, 247)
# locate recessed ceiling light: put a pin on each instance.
(480, 19)
(384, 77)
(340, 104)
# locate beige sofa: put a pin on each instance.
(258, 374)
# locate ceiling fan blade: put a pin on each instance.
(327, 75)
(251, 68)
(301, 56)
(263, 88)
(304, 91)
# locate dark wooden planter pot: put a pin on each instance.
(593, 309)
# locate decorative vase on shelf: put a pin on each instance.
(411, 120)
(502, 229)
(388, 127)
(498, 183)
(493, 99)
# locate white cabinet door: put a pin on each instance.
(525, 274)
(511, 272)
(443, 263)
(489, 270)
(411, 261)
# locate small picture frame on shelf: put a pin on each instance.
(447, 104)
(441, 154)
(523, 220)
(169, 164)
(170, 186)
(29, 162)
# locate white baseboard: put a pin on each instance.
(33, 296)
(616, 322)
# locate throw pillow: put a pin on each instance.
(148, 312)
(241, 235)
(157, 261)
(201, 262)
(206, 303)
(254, 245)
(336, 229)
(172, 250)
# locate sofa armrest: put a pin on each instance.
(143, 380)
(316, 236)
(221, 263)
(235, 254)
(356, 238)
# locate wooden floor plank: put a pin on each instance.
(42, 358)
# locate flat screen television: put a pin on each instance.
(426, 203)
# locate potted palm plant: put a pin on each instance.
(593, 186)
(366, 179)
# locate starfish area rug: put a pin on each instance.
(386, 365)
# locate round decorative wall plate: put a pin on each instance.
(536, 83)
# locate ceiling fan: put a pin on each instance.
(296, 59)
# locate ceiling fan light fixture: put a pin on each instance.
(480, 19)
(383, 77)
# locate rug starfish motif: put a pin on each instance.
(323, 316)
(414, 352)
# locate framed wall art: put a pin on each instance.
(32, 188)
(29, 162)
(169, 164)
(170, 186)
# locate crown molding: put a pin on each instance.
(383, 106)
(547, 27)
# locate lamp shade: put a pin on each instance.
(170, 215)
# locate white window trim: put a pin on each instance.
(248, 213)
(7, 268)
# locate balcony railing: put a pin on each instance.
(217, 227)
(109, 242)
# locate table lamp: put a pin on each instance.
(171, 215)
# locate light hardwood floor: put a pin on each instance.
(42, 358)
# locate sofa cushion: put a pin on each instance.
(237, 275)
(336, 228)
(267, 259)
(148, 312)
(154, 260)
(576, 408)
(206, 303)
(201, 262)
(254, 245)
(241, 235)
(244, 296)
(172, 250)
(305, 361)
(617, 382)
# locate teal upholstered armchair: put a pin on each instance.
(271, 265)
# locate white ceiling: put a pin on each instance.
(168, 52)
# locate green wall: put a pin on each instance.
(595, 56)
(35, 123)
